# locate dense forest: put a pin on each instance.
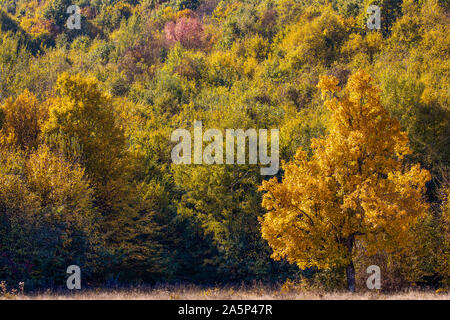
(86, 116)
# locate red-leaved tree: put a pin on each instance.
(188, 31)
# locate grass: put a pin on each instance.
(191, 292)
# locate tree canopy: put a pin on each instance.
(86, 117)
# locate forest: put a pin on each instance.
(89, 100)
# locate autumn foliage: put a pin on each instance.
(86, 116)
(353, 188)
(187, 31)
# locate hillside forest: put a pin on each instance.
(87, 113)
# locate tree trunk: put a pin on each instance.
(350, 271)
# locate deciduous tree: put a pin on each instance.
(353, 188)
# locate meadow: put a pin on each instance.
(197, 293)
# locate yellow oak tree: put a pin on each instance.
(355, 186)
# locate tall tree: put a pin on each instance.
(82, 123)
(353, 188)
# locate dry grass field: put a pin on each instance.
(254, 293)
